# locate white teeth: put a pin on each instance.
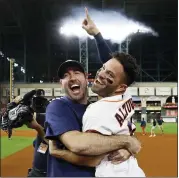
(75, 85)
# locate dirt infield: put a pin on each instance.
(17, 164)
(158, 157)
(22, 133)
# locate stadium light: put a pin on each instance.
(22, 70)
(113, 25)
(16, 65)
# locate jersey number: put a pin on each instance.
(122, 114)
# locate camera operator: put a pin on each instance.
(39, 165)
(30, 110)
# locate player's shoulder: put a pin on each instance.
(111, 102)
(56, 104)
(93, 105)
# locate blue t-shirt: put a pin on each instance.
(160, 121)
(60, 118)
(143, 124)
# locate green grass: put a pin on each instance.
(169, 128)
(9, 147)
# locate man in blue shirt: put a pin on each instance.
(160, 124)
(64, 124)
(143, 126)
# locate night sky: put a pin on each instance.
(33, 25)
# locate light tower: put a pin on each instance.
(124, 46)
(83, 50)
(11, 82)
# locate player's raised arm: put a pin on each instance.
(91, 28)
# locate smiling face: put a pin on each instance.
(110, 79)
(74, 83)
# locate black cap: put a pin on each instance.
(67, 64)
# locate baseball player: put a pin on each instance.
(154, 123)
(112, 115)
(143, 126)
(160, 124)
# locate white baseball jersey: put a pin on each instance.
(112, 116)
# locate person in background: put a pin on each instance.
(154, 123)
(39, 165)
(143, 126)
(160, 124)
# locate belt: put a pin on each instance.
(40, 171)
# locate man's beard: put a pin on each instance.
(78, 97)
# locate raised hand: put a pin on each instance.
(89, 25)
(134, 145)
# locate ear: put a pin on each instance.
(121, 89)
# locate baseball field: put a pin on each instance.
(158, 156)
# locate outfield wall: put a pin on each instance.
(148, 97)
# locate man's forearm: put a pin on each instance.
(103, 49)
(99, 144)
(90, 161)
(41, 132)
(92, 143)
(39, 120)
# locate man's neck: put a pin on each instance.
(83, 101)
(114, 94)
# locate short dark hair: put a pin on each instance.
(129, 64)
